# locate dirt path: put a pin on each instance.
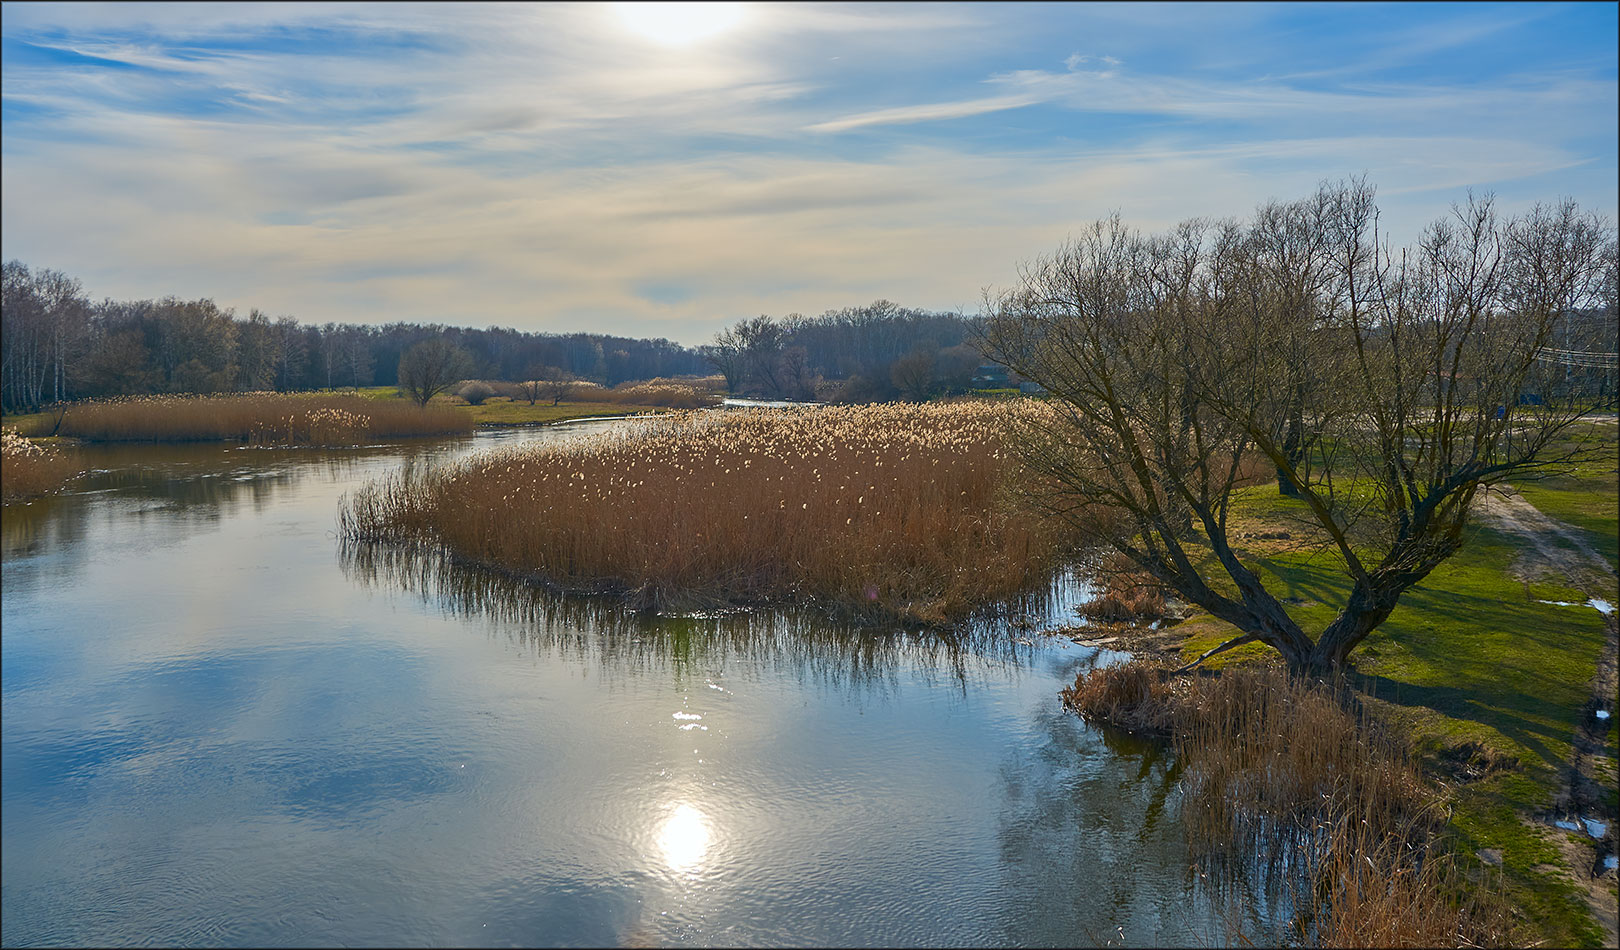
(1575, 560)
(1575, 563)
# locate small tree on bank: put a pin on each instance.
(430, 368)
(1405, 386)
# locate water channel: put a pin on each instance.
(221, 728)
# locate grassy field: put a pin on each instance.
(1488, 681)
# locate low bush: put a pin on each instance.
(475, 391)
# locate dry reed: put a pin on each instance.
(28, 468)
(263, 418)
(1129, 596)
(1283, 779)
(660, 392)
(880, 510)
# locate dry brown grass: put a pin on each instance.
(264, 418)
(888, 510)
(1284, 779)
(1129, 595)
(28, 468)
(661, 392)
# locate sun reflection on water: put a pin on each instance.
(684, 838)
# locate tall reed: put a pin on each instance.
(660, 392)
(28, 468)
(1288, 783)
(266, 418)
(890, 510)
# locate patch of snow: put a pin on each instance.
(1567, 825)
(1602, 714)
(1594, 827)
(1611, 862)
(1601, 606)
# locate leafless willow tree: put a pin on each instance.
(1386, 388)
(551, 383)
(430, 368)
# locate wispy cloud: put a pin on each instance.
(536, 166)
(928, 112)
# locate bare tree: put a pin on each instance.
(1176, 365)
(551, 383)
(727, 356)
(913, 374)
(430, 368)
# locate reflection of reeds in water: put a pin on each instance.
(1302, 808)
(878, 511)
(604, 631)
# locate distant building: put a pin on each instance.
(991, 376)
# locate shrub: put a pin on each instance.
(475, 392)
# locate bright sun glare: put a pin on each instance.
(684, 838)
(678, 24)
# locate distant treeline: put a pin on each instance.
(56, 345)
(857, 354)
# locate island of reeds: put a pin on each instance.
(884, 510)
(265, 418)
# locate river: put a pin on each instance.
(221, 728)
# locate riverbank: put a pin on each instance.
(1494, 669)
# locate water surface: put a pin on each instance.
(220, 727)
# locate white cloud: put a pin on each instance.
(929, 112)
(531, 168)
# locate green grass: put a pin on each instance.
(1469, 656)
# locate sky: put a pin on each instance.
(611, 168)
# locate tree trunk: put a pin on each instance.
(1365, 610)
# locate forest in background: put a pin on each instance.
(57, 345)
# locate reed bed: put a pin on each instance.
(660, 392)
(260, 418)
(881, 510)
(28, 469)
(1291, 783)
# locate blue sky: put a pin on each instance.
(572, 167)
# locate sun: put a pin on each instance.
(678, 24)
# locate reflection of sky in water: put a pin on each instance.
(219, 730)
